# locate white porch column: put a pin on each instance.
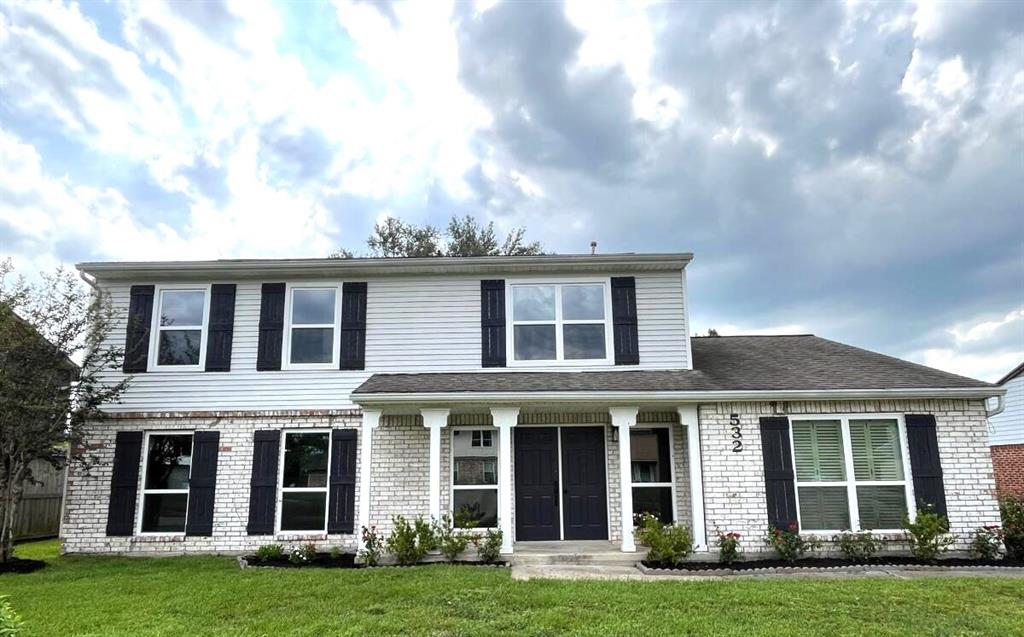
(624, 418)
(371, 419)
(435, 420)
(504, 419)
(688, 418)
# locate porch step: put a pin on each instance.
(570, 553)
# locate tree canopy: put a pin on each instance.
(464, 237)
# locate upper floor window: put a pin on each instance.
(560, 322)
(312, 327)
(168, 466)
(180, 327)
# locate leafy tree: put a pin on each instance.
(395, 238)
(46, 402)
(712, 332)
(466, 237)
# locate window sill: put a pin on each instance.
(158, 538)
(300, 536)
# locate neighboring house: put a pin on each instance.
(1006, 435)
(553, 396)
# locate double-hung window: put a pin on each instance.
(304, 466)
(312, 327)
(850, 473)
(559, 322)
(180, 328)
(168, 466)
(474, 478)
(651, 471)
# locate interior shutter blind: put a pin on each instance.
(875, 445)
(819, 451)
(263, 485)
(780, 494)
(492, 323)
(202, 483)
(220, 331)
(925, 466)
(624, 321)
(268, 353)
(124, 483)
(341, 512)
(140, 321)
(353, 326)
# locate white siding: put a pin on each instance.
(414, 324)
(1007, 428)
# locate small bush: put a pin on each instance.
(928, 535)
(450, 540)
(270, 552)
(336, 552)
(789, 544)
(410, 542)
(859, 546)
(1011, 508)
(488, 546)
(986, 543)
(669, 543)
(304, 554)
(729, 547)
(11, 622)
(373, 547)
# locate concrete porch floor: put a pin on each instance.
(574, 552)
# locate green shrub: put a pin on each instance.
(488, 546)
(336, 552)
(859, 546)
(669, 543)
(270, 552)
(1011, 508)
(729, 547)
(373, 547)
(450, 540)
(789, 544)
(410, 542)
(986, 543)
(10, 621)
(304, 554)
(928, 535)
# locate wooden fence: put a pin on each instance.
(38, 515)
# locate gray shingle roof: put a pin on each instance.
(729, 363)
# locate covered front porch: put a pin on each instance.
(549, 476)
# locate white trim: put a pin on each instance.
(279, 509)
(435, 420)
(624, 418)
(686, 322)
(143, 491)
(152, 363)
(371, 420)
(504, 419)
(286, 345)
(689, 417)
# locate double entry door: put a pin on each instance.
(561, 486)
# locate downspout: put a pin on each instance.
(90, 281)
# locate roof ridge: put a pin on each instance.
(753, 336)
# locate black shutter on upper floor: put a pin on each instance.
(492, 323)
(140, 320)
(624, 321)
(271, 336)
(220, 331)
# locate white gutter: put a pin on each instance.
(1000, 405)
(670, 397)
(90, 281)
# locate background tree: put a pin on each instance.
(46, 403)
(466, 237)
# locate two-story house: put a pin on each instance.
(554, 397)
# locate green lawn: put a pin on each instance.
(211, 596)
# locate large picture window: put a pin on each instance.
(181, 321)
(474, 479)
(304, 467)
(849, 473)
(651, 470)
(168, 465)
(312, 326)
(559, 322)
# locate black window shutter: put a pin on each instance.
(492, 323)
(268, 353)
(263, 486)
(924, 463)
(627, 339)
(353, 326)
(124, 482)
(221, 328)
(780, 490)
(341, 512)
(140, 321)
(202, 483)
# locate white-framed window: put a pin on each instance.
(166, 469)
(559, 322)
(651, 472)
(179, 328)
(304, 466)
(474, 479)
(312, 322)
(851, 472)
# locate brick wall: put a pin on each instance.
(1008, 463)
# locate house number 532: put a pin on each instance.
(737, 433)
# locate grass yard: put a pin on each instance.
(211, 596)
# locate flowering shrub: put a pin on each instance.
(986, 544)
(859, 546)
(728, 547)
(669, 543)
(302, 554)
(1011, 508)
(789, 544)
(373, 547)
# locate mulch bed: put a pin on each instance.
(17, 565)
(322, 560)
(829, 562)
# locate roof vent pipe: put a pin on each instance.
(593, 248)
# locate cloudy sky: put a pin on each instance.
(850, 169)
